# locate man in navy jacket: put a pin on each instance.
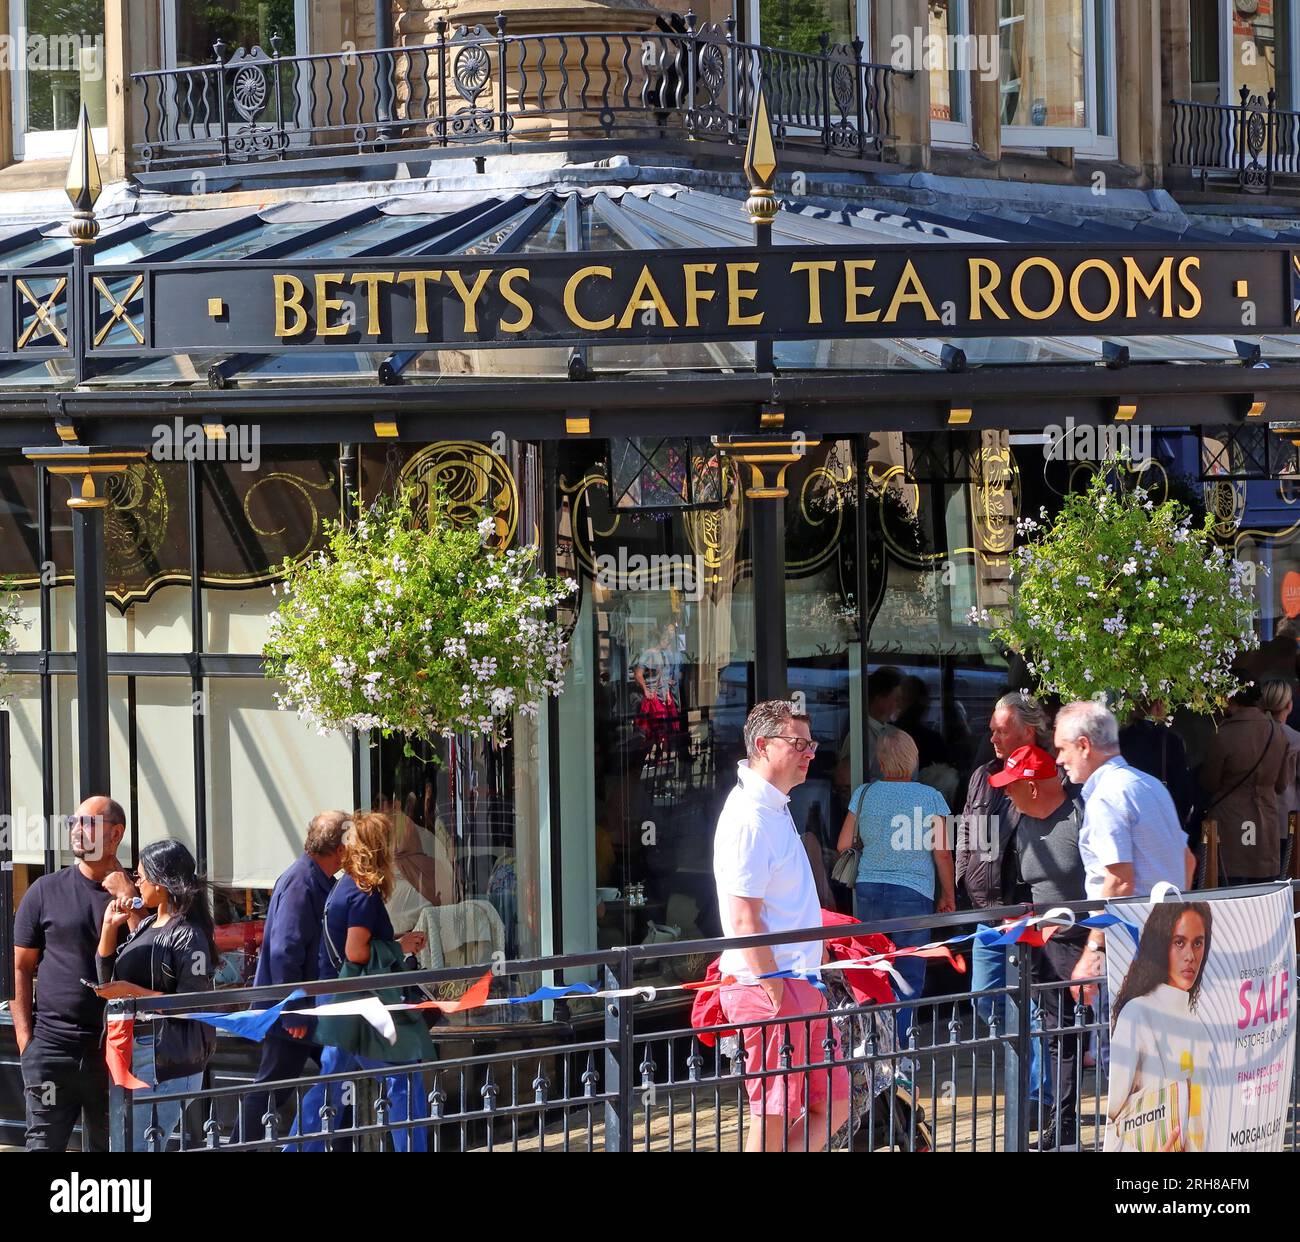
(291, 954)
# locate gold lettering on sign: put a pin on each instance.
(646, 296)
(326, 305)
(1058, 288)
(516, 299)
(420, 283)
(1076, 298)
(853, 291)
(1191, 263)
(985, 277)
(694, 294)
(371, 281)
(469, 296)
(814, 268)
(576, 317)
(289, 291)
(1162, 282)
(910, 290)
(736, 295)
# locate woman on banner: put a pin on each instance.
(1160, 1050)
(172, 949)
(357, 939)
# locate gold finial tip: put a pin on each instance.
(760, 150)
(84, 184)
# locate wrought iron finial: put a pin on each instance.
(760, 164)
(84, 184)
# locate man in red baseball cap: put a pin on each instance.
(1047, 843)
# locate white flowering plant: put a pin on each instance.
(410, 623)
(1121, 599)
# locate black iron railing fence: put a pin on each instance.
(636, 1076)
(1253, 142)
(471, 87)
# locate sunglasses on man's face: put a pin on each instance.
(83, 821)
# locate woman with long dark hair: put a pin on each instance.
(171, 949)
(1157, 1037)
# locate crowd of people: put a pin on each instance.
(1056, 814)
(94, 932)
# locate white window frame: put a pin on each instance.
(958, 133)
(862, 24)
(36, 144)
(1228, 85)
(301, 17)
(1085, 140)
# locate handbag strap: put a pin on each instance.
(856, 807)
(1253, 769)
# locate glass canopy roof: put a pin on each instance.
(608, 219)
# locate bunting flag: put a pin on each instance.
(255, 1024)
(117, 1052)
(252, 1024)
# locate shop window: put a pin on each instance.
(650, 722)
(1057, 74)
(664, 472)
(59, 55)
(191, 30)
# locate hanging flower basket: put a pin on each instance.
(1122, 600)
(416, 626)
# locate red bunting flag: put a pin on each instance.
(474, 998)
(121, 1033)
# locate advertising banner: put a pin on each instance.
(1202, 1024)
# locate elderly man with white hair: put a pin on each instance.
(1131, 839)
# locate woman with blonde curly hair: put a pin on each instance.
(357, 938)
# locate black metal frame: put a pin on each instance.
(479, 87)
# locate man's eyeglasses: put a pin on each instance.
(800, 744)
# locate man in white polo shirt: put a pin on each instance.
(765, 884)
(1131, 838)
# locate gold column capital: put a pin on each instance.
(768, 458)
(73, 461)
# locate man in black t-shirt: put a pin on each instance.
(1047, 847)
(56, 932)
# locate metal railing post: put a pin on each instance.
(1015, 1078)
(619, 1068)
(120, 1098)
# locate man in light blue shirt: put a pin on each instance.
(1131, 838)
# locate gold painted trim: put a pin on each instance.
(577, 426)
(386, 429)
(118, 312)
(41, 312)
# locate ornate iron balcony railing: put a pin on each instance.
(1253, 142)
(474, 88)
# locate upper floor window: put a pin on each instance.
(797, 25)
(58, 66)
(1057, 74)
(1251, 43)
(949, 57)
(191, 30)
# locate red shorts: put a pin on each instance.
(788, 1093)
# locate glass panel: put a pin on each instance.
(947, 99)
(64, 48)
(1261, 50)
(650, 472)
(657, 694)
(1043, 70)
(824, 664)
(252, 521)
(237, 23)
(797, 25)
(24, 707)
(1206, 73)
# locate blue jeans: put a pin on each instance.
(144, 1115)
(877, 902)
(404, 1103)
(988, 969)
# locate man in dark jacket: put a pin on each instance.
(291, 954)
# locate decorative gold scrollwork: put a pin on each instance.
(472, 479)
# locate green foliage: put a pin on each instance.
(414, 626)
(1123, 598)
